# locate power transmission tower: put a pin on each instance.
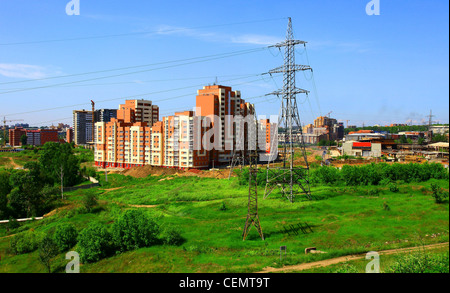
(238, 159)
(430, 120)
(290, 179)
(252, 213)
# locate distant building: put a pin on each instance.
(137, 137)
(69, 135)
(82, 127)
(83, 124)
(34, 136)
(105, 115)
(14, 136)
(362, 149)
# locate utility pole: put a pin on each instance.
(291, 180)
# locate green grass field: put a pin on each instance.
(346, 220)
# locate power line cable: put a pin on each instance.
(128, 73)
(125, 98)
(136, 33)
(136, 66)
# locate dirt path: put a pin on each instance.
(14, 163)
(327, 262)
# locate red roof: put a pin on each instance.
(362, 144)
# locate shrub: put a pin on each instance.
(346, 268)
(89, 201)
(65, 236)
(393, 187)
(438, 194)
(172, 236)
(47, 250)
(421, 262)
(134, 229)
(25, 242)
(223, 207)
(94, 243)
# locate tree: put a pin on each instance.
(134, 229)
(89, 201)
(59, 159)
(23, 139)
(5, 189)
(94, 243)
(65, 236)
(47, 251)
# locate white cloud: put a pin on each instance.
(253, 39)
(22, 71)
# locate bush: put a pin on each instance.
(65, 236)
(94, 243)
(346, 269)
(172, 236)
(421, 262)
(25, 242)
(89, 201)
(47, 250)
(393, 187)
(134, 229)
(223, 207)
(438, 194)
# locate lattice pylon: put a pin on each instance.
(291, 179)
(252, 212)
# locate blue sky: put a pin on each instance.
(379, 69)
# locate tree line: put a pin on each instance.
(35, 189)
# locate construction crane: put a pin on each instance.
(346, 121)
(329, 114)
(4, 128)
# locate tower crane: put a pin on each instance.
(329, 114)
(4, 128)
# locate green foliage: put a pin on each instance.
(171, 236)
(23, 139)
(223, 207)
(421, 262)
(25, 242)
(47, 251)
(393, 187)
(94, 243)
(439, 195)
(13, 224)
(65, 236)
(57, 159)
(89, 201)
(134, 229)
(439, 138)
(346, 268)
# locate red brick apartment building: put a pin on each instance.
(34, 137)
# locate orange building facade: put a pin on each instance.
(137, 137)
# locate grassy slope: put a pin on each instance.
(347, 221)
